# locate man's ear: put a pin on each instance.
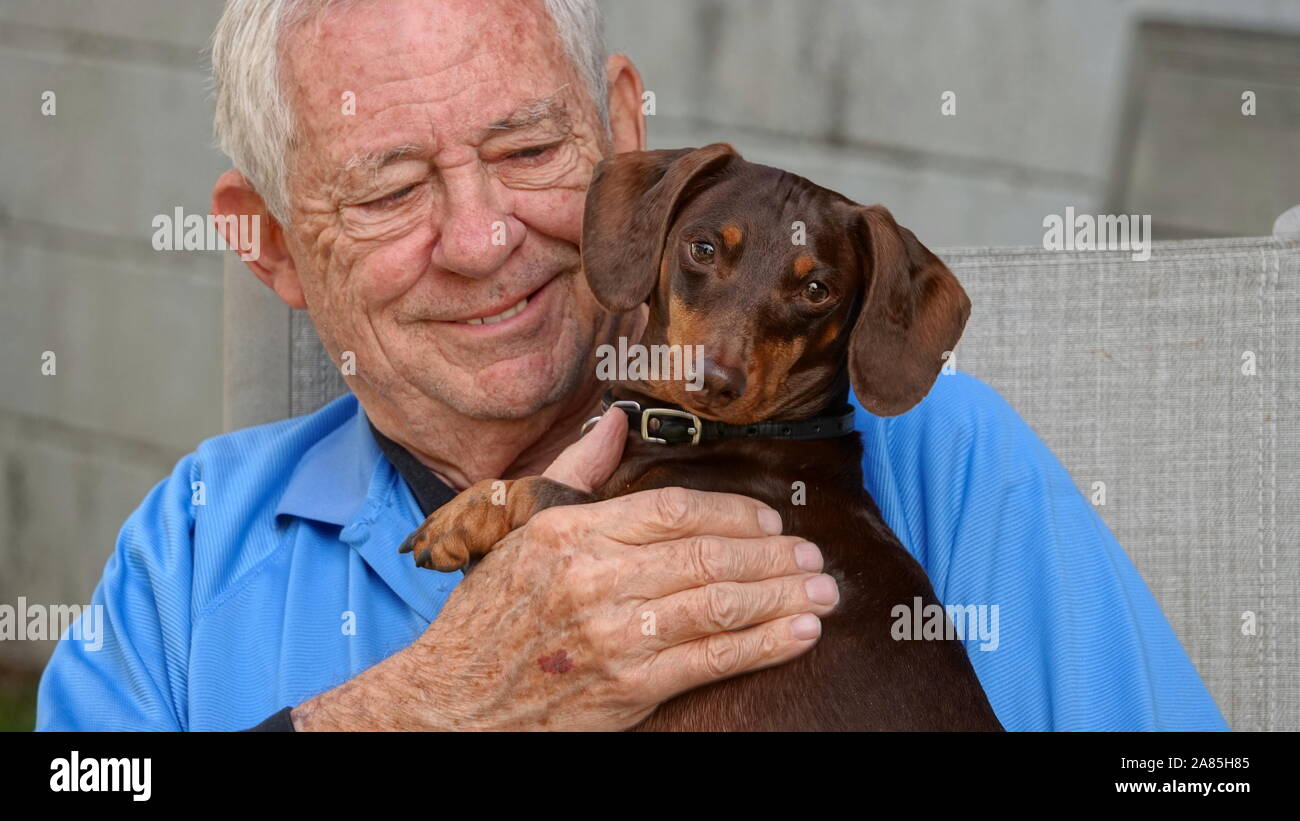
(626, 119)
(234, 196)
(631, 204)
(914, 310)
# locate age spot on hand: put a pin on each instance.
(557, 662)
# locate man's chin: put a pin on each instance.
(514, 392)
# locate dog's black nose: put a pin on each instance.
(722, 383)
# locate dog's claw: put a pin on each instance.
(423, 558)
(407, 545)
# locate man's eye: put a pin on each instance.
(530, 153)
(702, 252)
(391, 199)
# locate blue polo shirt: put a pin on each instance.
(286, 581)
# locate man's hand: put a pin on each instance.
(589, 616)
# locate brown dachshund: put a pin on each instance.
(795, 293)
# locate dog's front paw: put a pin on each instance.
(470, 526)
(465, 528)
(438, 544)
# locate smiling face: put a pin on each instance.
(770, 314)
(435, 230)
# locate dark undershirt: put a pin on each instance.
(430, 493)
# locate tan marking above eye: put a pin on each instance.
(803, 264)
(731, 235)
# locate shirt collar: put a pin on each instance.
(332, 479)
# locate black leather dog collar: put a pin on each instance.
(674, 426)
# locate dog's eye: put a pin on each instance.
(816, 291)
(702, 252)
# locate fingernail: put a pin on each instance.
(808, 557)
(805, 626)
(769, 521)
(822, 589)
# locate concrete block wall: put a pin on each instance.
(136, 332)
(847, 93)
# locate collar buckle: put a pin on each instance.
(696, 427)
(628, 406)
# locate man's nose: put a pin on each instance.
(476, 233)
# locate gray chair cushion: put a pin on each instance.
(1132, 372)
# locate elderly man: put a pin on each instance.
(420, 167)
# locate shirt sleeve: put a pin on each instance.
(125, 667)
(995, 519)
(279, 722)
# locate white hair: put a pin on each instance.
(254, 123)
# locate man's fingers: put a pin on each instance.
(723, 655)
(659, 515)
(588, 462)
(725, 606)
(671, 567)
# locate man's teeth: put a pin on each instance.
(492, 320)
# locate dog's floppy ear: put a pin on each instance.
(913, 310)
(631, 203)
